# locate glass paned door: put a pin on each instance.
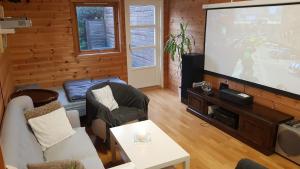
(143, 24)
(142, 33)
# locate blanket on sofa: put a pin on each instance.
(76, 89)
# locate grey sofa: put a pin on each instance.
(20, 147)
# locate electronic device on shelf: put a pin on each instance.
(12, 23)
(288, 140)
(226, 117)
(205, 86)
(236, 96)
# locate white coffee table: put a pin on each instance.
(160, 152)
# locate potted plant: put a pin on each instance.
(179, 44)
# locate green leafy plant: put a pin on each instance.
(179, 44)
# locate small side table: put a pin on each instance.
(39, 97)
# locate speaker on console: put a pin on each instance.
(192, 71)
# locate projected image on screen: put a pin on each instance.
(256, 44)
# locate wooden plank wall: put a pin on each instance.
(6, 81)
(44, 54)
(1, 105)
(6, 88)
(190, 11)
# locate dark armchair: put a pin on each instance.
(133, 105)
(249, 164)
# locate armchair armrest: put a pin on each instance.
(73, 116)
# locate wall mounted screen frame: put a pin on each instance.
(250, 83)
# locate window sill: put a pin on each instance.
(86, 55)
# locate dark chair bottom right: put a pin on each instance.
(248, 164)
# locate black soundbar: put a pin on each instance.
(236, 97)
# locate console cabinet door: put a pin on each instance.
(256, 131)
(197, 104)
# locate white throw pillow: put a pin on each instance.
(104, 96)
(51, 128)
(10, 167)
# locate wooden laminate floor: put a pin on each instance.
(209, 147)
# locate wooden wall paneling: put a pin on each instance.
(6, 88)
(190, 11)
(2, 106)
(45, 53)
(6, 78)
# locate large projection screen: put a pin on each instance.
(260, 45)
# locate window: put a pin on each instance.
(96, 29)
